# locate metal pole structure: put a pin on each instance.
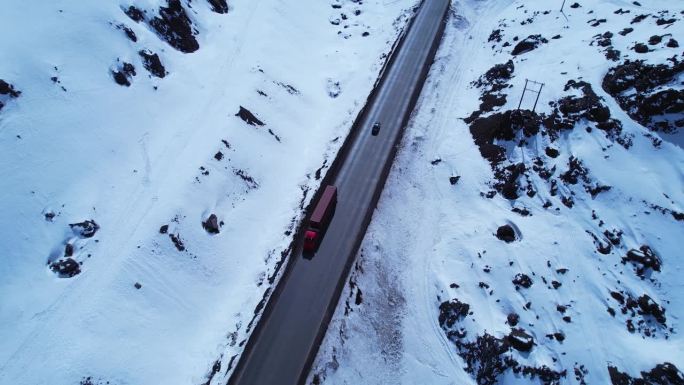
(538, 93)
(523, 94)
(563, 5)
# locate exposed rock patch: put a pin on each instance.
(85, 229)
(212, 225)
(648, 93)
(248, 117)
(528, 44)
(175, 27)
(152, 63)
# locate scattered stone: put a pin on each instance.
(655, 39)
(513, 319)
(522, 280)
(135, 14)
(123, 75)
(66, 267)
(137, 285)
(85, 229)
(249, 118)
(528, 44)
(642, 259)
(211, 225)
(177, 242)
(639, 19)
(641, 48)
(626, 31)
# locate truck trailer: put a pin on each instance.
(320, 219)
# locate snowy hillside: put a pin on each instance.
(516, 247)
(156, 157)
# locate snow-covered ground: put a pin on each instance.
(240, 109)
(588, 290)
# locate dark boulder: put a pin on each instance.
(66, 268)
(643, 259)
(528, 44)
(520, 340)
(211, 225)
(452, 311)
(174, 26)
(513, 319)
(152, 63)
(85, 229)
(649, 307)
(522, 280)
(506, 233)
(8, 89)
(218, 6)
(249, 117)
(641, 48)
(135, 14)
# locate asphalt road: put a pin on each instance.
(286, 340)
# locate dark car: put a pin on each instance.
(376, 128)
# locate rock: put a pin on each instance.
(68, 250)
(249, 118)
(135, 14)
(454, 179)
(137, 285)
(452, 311)
(522, 280)
(626, 31)
(219, 6)
(123, 75)
(551, 152)
(175, 238)
(662, 374)
(655, 39)
(645, 257)
(86, 229)
(164, 229)
(640, 48)
(218, 156)
(152, 63)
(66, 268)
(650, 307)
(513, 319)
(520, 340)
(673, 43)
(528, 44)
(211, 225)
(174, 26)
(575, 5)
(8, 89)
(506, 233)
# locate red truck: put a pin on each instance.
(320, 219)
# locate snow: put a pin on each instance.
(134, 159)
(432, 241)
